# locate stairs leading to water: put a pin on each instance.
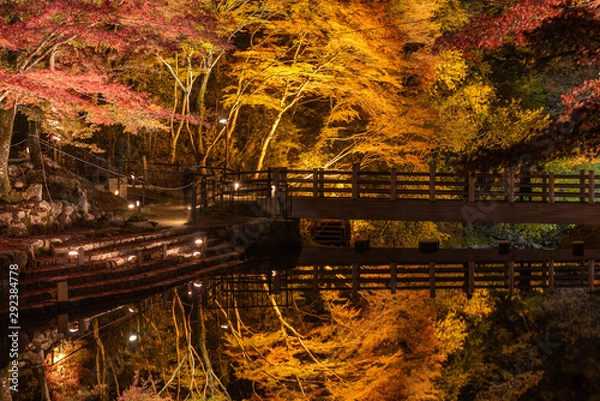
(115, 270)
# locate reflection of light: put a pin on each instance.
(197, 254)
(131, 309)
(236, 186)
(73, 254)
(223, 120)
(55, 138)
(224, 326)
(133, 337)
(273, 273)
(74, 327)
(198, 285)
(131, 258)
(58, 357)
(27, 149)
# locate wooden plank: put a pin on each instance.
(458, 211)
(551, 276)
(315, 183)
(551, 198)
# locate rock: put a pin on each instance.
(57, 208)
(14, 171)
(18, 184)
(87, 216)
(38, 245)
(43, 205)
(5, 219)
(17, 230)
(21, 214)
(64, 220)
(38, 219)
(33, 192)
(68, 208)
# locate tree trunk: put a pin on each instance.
(7, 120)
(33, 143)
(267, 141)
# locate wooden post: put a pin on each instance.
(355, 181)
(471, 287)
(316, 183)
(551, 188)
(164, 251)
(394, 277)
(591, 275)
(544, 188)
(432, 279)
(321, 183)
(592, 187)
(394, 184)
(582, 186)
(355, 279)
(203, 197)
(431, 182)
(551, 276)
(511, 278)
(315, 279)
(80, 256)
(62, 291)
(140, 258)
(510, 187)
(193, 205)
(471, 187)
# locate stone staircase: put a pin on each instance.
(330, 232)
(114, 270)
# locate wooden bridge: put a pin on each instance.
(348, 271)
(408, 196)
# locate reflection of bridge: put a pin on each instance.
(394, 195)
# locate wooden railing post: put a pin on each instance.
(394, 184)
(592, 187)
(551, 194)
(510, 185)
(193, 205)
(582, 186)
(316, 183)
(471, 285)
(355, 181)
(471, 187)
(432, 279)
(551, 276)
(394, 277)
(591, 275)
(432, 182)
(355, 279)
(511, 278)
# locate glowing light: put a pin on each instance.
(236, 186)
(131, 206)
(197, 254)
(27, 149)
(199, 241)
(132, 177)
(131, 258)
(74, 330)
(131, 309)
(189, 208)
(117, 192)
(133, 337)
(224, 326)
(58, 357)
(197, 285)
(73, 254)
(55, 138)
(223, 120)
(137, 203)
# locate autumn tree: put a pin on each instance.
(329, 82)
(62, 57)
(553, 44)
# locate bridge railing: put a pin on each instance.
(280, 184)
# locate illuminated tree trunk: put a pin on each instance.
(7, 119)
